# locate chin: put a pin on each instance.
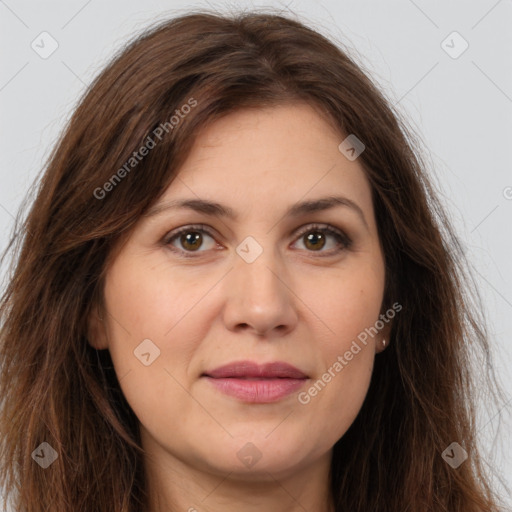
(259, 456)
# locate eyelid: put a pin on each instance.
(344, 239)
(323, 227)
(185, 229)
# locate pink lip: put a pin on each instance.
(255, 383)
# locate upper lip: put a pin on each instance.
(250, 369)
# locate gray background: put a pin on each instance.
(460, 107)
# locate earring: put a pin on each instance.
(384, 342)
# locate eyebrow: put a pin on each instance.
(218, 210)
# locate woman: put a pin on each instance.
(237, 291)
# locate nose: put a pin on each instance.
(258, 298)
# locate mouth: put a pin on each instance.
(252, 383)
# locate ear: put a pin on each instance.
(96, 329)
(384, 334)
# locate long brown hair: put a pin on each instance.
(56, 388)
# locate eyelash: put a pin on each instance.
(342, 239)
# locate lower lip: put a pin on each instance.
(257, 390)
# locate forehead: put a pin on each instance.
(281, 153)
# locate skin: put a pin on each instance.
(291, 304)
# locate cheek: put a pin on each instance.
(350, 308)
(143, 311)
(336, 395)
(349, 305)
(145, 303)
(158, 315)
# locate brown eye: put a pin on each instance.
(190, 239)
(315, 240)
(194, 239)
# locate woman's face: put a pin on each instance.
(258, 281)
